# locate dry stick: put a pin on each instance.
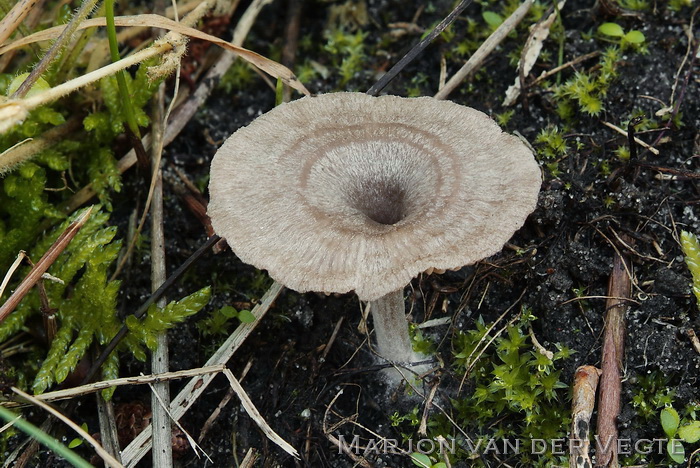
(109, 436)
(108, 459)
(257, 417)
(43, 264)
(85, 8)
(563, 66)
(182, 402)
(14, 18)
(160, 362)
(636, 140)
(417, 49)
(95, 387)
(582, 405)
(620, 286)
(485, 49)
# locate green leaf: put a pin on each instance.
(690, 432)
(611, 29)
(228, 311)
(676, 451)
(74, 443)
(246, 316)
(422, 460)
(493, 19)
(670, 421)
(634, 37)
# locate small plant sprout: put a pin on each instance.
(678, 431)
(360, 193)
(627, 40)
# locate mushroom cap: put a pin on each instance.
(346, 191)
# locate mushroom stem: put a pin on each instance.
(391, 328)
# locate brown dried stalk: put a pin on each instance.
(43, 264)
(619, 287)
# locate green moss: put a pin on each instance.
(516, 393)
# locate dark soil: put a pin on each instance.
(569, 242)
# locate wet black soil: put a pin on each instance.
(569, 242)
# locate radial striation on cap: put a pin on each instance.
(345, 191)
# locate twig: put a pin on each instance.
(182, 402)
(637, 140)
(94, 387)
(620, 285)
(44, 263)
(108, 459)
(582, 405)
(564, 66)
(160, 362)
(417, 49)
(14, 18)
(485, 49)
(108, 426)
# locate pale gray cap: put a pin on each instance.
(345, 191)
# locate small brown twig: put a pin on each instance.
(619, 286)
(582, 405)
(43, 264)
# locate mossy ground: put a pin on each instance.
(565, 248)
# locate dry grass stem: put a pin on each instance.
(108, 459)
(637, 140)
(195, 446)
(160, 359)
(14, 18)
(530, 53)
(109, 437)
(257, 417)
(74, 392)
(20, 256)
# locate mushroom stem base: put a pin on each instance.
(391, 329)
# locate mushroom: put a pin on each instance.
(348, 192)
